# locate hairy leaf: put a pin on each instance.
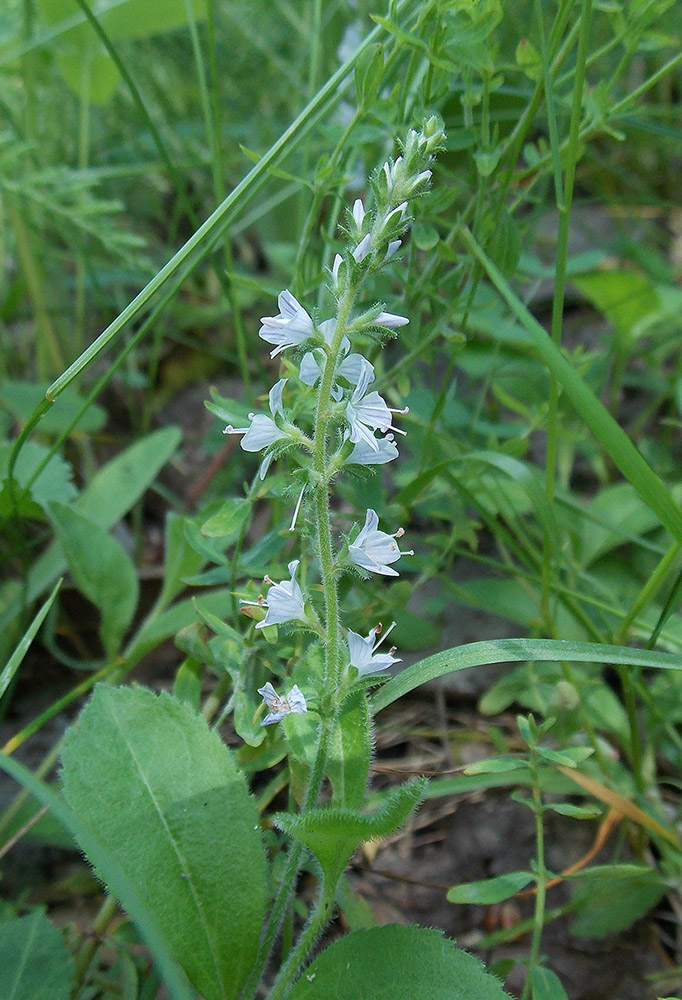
(333, 834)
(396, 963)
(158, 784)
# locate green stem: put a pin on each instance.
(322, 520)
(48, 351)
(628, 681)
(564, 203)
(88, 948)
(648, 592)
(294, 860)
(316, 923)
(540, 880)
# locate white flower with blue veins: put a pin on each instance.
(290, 328)
(373, 550)
(367, 412)
(363, 652)
(263, 431)
(284, 601)
(351, 368)
(292, 703)
(383, 450)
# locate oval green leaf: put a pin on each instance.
(162, 790)
(490, 890)
(34, 961)
(396, 963)
(102, 570)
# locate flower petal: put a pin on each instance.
(262, 432)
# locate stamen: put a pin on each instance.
(386, 633)
(256, 604)
(298, 507)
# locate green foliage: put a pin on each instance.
(612, 898)
(41, 476)
(78, 46)
(102, 570)
(8, 671)
(350, 753)
(149, 776)
(400, 962)
(334, 834)
(34, 961)
(490, 890)
(546, 984)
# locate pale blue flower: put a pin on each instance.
(382, 451)
(351, 368)
(263, 431)
(284, 601)
(363, 652)
(367, 412)
(373, 550)
(399, 210)
(291, 327)
(393, 248)
(292, 703)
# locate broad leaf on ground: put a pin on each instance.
(34, 962)
(396, 963)
(149, 775)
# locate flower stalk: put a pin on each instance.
(352, 424)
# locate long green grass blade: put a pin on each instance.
(477, 654)
(14, 662)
